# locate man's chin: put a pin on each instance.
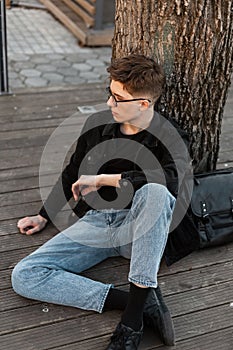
(115, 117)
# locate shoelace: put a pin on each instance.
(121, 335)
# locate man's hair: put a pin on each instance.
(140, 75)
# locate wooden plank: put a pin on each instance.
(5, 279)
(79, 33)
(30, 5)
(89, 20)
(98, 37)
(20, 184)
(63, 123)
(25, 142)
(22, 241)
(8, 227)
(201, 277)
(20, 210)
(62, 333)
(20, 135)
(198, 288)
(227, 121)
(91, 344)
(32, 155)
(9, 300)
(32, 125)
(203, 322)
(8, 4)
(226, 156)
(31, 316)
(20, 173)
(45, 108)
(9, 199)
(19, 158)
(219, 340)
(64, 95)
(63, 111)
(224, 165)
(12, 257)
(198, 299)
(73, 21)
(228, 110)
(199, 259)
(87, 6)
(16, 311)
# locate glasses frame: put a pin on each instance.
(110, 94)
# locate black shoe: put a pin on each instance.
(125, 338)
(157, 315)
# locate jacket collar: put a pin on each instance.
(110, 129)
(150, 140)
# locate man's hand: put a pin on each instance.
(90, 183)
(85, 185)
(31, 224)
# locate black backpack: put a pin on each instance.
(212, 206)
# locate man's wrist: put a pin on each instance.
(42, 218)
(108, 180)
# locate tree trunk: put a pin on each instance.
(193, 41)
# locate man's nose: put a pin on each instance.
(110, 102)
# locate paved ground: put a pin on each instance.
(42, 52)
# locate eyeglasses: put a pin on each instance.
(110, 94)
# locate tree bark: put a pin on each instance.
(192, 39)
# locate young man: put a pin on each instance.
(125, 182)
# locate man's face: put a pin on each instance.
(123, 112)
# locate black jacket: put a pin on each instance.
(159, 154)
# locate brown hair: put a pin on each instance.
(139, 75)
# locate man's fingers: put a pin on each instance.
(25, 228)
(88, 189)
(31, 224)
(75, 190)
(24, 224)
(30, 231)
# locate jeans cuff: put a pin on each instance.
(108, 286)
(142, 282)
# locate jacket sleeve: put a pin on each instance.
(174, 165)
(61, 192)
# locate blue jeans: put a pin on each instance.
(51, 273)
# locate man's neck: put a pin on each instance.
(139, 125)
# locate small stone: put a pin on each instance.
(30, 73)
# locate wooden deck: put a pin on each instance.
(198, 289)
(79, 18)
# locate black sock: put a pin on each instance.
(116, 299)
(133, 314)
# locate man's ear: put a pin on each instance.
(144, 105)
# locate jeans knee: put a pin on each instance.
(23, 278)
(151, 192)
(152, 198)
(18, 279)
